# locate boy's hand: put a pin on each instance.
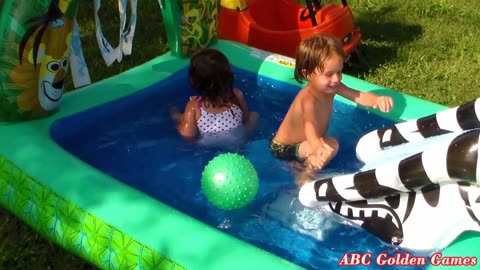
(321, 157)
(384, 103)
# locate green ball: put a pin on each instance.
(229, 181)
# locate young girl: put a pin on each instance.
(301, 135)
(220, 107)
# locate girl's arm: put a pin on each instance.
(187, 124)
(249, 118)
(367, 99)
(243, 104)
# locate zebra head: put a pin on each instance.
(426, 219)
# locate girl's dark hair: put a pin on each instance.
(211, 75)
(312, 53)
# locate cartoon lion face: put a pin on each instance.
(43, 66)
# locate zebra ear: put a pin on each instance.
(457, 119)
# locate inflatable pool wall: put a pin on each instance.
(88, 212)
(73, 228)
(34, 48)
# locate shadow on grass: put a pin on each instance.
(381, 38)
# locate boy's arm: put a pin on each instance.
(367, 99)
(187, 125)
(315, 127)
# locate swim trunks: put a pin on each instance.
(284, 151)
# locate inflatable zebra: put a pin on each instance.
(460, 118)
(451, 161)
(421, 202)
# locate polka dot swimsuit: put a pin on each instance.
(219, 122)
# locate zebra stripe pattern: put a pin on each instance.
(455, 159)
(460, 118)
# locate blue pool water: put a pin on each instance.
(134, 140)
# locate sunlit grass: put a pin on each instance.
(428, 49)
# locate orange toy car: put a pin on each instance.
(279, 25)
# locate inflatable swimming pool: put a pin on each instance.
(117, 219)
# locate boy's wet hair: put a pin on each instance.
(211, 75)
(312, 53)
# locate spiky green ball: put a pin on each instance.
(229, 181)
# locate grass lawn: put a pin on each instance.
(429, 49)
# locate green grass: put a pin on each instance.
(427, 48)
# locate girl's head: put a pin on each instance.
(211, 75)
(313, 52)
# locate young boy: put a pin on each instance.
(301, 135)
